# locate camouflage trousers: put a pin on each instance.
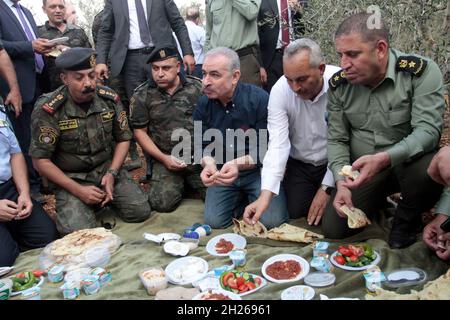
(167, 187)
(129, 202)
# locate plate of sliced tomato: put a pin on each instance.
(355, 257)
(241, 283)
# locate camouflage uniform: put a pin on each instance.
(80, 144)
(77, 38)
(161, 114)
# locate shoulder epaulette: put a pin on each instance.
(143, 84)
(412, 64)
(52, 101)
(337, 79)
(193, 78)
(108, 93)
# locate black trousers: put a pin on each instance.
(33, 232)
(301, 182)
(275, 70)
(419, 194)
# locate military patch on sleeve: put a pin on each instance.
(68, 124)
(108, 93)
(48, 135)
(337, 79)
(54, 101)
(108, 116)
(123, 121)
(3, 124)
(411, 64)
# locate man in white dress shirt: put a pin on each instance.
(197, 35)
(298, 136)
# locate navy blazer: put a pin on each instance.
(20, 50)
(113, 35)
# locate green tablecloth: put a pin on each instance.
(136, 254)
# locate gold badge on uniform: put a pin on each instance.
(93, 61)
(123, 121)
(162, 54)
(68, 124)
(108, 116)
(3, 124)
(48, 135)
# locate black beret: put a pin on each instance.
(75, 59)
(162, 53)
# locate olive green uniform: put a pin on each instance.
(77, 38)
(81, 144)
(403, 116)
(162, 114)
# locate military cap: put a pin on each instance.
(76, 59)
(162, 53)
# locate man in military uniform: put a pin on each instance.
(74, 130)
(385, 113)
(158, 108)
(57, 27)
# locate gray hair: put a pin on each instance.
(231, 55)
(299, 45)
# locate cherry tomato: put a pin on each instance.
(232, 283)
(240, 281)
(257, 281)
(243, 288)
(340, 260)
(344, 251)
(38, 273)
(250, 285)
(20, 275)
(357, 251)
(353, 258)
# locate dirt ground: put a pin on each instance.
(49, 206)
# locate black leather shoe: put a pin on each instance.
(400, 241)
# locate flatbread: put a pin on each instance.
(438, 289)
(79, 241)
(347, 171)
(257, 230)
(356, 217)
(287, 232)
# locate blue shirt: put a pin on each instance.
(8, 146)
(246, 111)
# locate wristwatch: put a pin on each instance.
(327, 189)
(114, 173)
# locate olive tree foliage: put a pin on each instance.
(419, 26)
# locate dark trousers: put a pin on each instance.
(36, 231)
(301, 182)
(419, 194)
(22, 130)
(250, 67)
(274, 70)
(135, 71)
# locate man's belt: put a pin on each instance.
(247, 50)
(145, 50)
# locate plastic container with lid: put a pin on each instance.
(56, 274)
(33, 293)
(320, 279)
(5, 288)
(405, 277)
(154, 280)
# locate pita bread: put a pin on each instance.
(438, 289)
(347, 171)
(356, 217)
(287, 232)
(257, 230)
(71, 248)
